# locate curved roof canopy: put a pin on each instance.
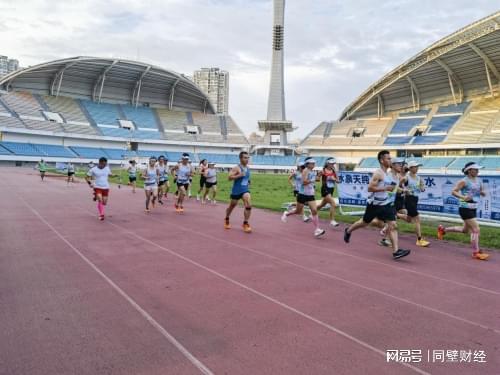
(460, 65)
(110, 80)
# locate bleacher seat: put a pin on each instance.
(420, 113)
(405, 125)
(89, 152)
(460, 161)
(273, 160)
(68, 108)
(436, 162)
(491, 163)
(452, 108)
(428, 139)
(369, 163)
(115, 153)
(4, 151)
(54, 150)
(26, 149)
(143, 117)
(397, 140)
(220, 158)
(102, 113)
(24, 104)
(442, 124)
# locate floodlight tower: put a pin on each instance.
(276, 126)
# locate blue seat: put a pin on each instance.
(422, 113)
(55, 150)
(369, 163)
(459, 162)
(89, 152)
(102, 113)
(143, 117)
(404, 125)
(442, 124)
(22, 149)
(432, 162)
(4, 151)
(452, 108)
(397, 140)
(428, 139)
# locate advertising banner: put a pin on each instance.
(437, 197)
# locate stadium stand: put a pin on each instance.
(43, 125)
(220, 158)
(102, 113)
(397, 140)
(68, 108)
(54, 150)
(24, 104)
(172, 120)
(403, 126)
(428, 139)
(442, 124)
(143, 117)
(11, 122)
(273, 160)
(88, 152)
(453, 108)
(21, 148)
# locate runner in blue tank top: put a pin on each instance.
(469, 191)
(184, 171)
(240, 175)
(379, 206)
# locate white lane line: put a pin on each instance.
(265, 296)
(195, 361)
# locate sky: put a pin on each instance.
(334, 49)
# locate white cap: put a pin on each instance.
(311, 160)
(473, 166)
(398, 161)
(414, 163)
(331, 160)
(301, 164)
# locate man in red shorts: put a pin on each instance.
(100, 174)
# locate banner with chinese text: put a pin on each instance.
(437, 197)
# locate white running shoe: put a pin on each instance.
(306, 219)
(197, 197)
(333, 223)
(284, 218)
(319, 232)
(214, 201)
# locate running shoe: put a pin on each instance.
(147, 210)
(385, 242)
(101, 217)
(226, 224)
(333, 223)
(181, 209)
(306, 219)
(160, 202)
(247, 228)
(423, 243)
(347, 236)
(318, 232)
(214, 201)
(440, 232)
(284, 218)
(197, 197)
(400, 254)
(480, 256)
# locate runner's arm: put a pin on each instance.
(235, 173)
(456, 191)
(372, 186)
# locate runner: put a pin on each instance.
(210, 183)
(397, 199)
(151, 175)
(328, 180)
(380, 204)
(163, 178)
(100, 186)
(132, 175)
(240, 175)
(184, 171)
(306, 196)
(414, 185)
(190, 183)
(295, 180)
(469, 191)
(203, 179)
(42, 168)
(71, 173)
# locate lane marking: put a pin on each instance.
(195, 361)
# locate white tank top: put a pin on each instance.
(382, 198)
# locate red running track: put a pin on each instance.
(167, 293)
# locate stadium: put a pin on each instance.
(136, 285)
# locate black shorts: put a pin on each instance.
(70, 174)
(203, 181)
(161, 183)
(399, 203)
(186, 185)
(132, 179)
(305, 199)
(209, 185)
(326, 191)
(385, 213)
(295, 193)
(467, 213)
(237, 197)
(411, 203)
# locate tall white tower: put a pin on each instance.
(276, 126)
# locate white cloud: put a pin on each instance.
(334, 49)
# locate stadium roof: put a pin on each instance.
(110, 80)
(455, 67)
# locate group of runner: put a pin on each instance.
(393, 193)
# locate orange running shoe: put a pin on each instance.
(440, 232)
(247, 228)
(226, 224)
(480, 256)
